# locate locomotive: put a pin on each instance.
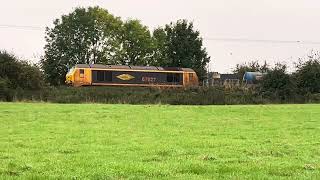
(147, 76)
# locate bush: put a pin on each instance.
(308, 76)
(4, 90)
(140, 95)
(16, 74)
(278, 85)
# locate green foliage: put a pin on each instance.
(140, 95)
(181, 46)
(95, 141)
(136, 44)
(18, 74)
(83, 36)
(308, 75)
(120, 95)
(278, 84)
(160, 56)
(4, 90)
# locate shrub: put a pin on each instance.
(4, 90)
(278, 85)
(308, 76)
(19, 74)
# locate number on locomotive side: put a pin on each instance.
(149, 79)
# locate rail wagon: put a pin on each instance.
(113, 75)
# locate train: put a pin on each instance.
(253, 77)
(119, 75)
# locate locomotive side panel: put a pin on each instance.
(136, 78)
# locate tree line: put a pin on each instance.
(25, 81)
(16, 74)
(284, 86)
(93, 35)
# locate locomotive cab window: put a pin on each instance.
(81, 73)
(191, 76)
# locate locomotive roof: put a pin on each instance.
(101, 66)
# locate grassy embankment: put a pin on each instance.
(125, 141)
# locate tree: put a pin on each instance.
(136, 44)
(83, 36)
(181, 46)
(9, 70)
(278, 84)
(160, 45)
(19, 74)
(308, 75)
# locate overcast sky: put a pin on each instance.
(234, 31)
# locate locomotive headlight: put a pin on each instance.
(68, 79)
(69, 76)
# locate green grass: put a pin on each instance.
(93, 141)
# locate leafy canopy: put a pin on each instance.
(136, 44)
(278, 84)
(179, 45)
(83, 36)
(15, 73)
(308, 74)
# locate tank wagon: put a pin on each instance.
(253, 77)
(112, 75)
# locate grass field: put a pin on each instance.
(54, 141)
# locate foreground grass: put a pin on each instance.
(51, 141)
